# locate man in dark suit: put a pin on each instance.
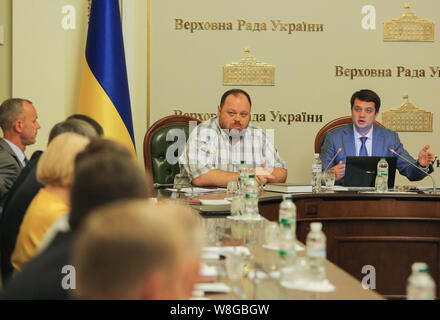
(18, 120)
(364, 138)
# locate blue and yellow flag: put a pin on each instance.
(104, 92)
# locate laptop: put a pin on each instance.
(362, 171)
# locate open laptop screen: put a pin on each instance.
(361, 171)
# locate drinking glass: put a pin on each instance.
(236, 206)
(271, 233)
(329, 179)
(235, 263)
(232, 188)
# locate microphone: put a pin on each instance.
(334, 157)
(160, 185)
(417, 167)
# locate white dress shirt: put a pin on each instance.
(368, 142)
(20, 155)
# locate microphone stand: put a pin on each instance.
(418, 168)
(334, 157)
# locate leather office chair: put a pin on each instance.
(156, 146)
(334, 124)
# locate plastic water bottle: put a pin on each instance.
(316, 174)
(243, 172)
(287, 252)
(251, 202)
(316, 251)
(287, 242)
(287, 212)
(420, 284)
(382, 176)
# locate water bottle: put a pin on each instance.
(287, 242)
(316, 252)
(420, 284)
(316, 174)
(381, 184)
(251, 202)
(287, 252)
(243, 172)
(287, 212)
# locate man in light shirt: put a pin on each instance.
(18, 120)
(364, 138)
(216, 147)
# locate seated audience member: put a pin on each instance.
(215, 147)
(55, 172)
(105, 171)
(137, 250)
(24, 190)
(364, 138)
(18, 120)
(99, 130)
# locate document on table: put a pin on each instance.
(197, 190)
(207, 202)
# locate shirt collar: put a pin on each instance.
(357, 135)
(20, 155)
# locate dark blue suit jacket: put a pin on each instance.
(382, 140)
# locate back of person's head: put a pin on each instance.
(366, 95)
(134, 250)
(56, 165)
(73, 125)
(105, 171)
(10, 111)
(98, 128)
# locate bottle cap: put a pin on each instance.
(239, 178)
(251, 176)
(316, 226)
(316, 155)
(419, 267)
(242, 162)
(287, 197)
(282, 252)
(247, 195)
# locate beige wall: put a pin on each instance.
(186, 67)
(6, 49)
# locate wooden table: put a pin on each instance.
(347, 287)
(388, 231)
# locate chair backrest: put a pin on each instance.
(156, 146)
(334, 124)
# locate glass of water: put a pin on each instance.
(232, 188)
(235, 263)
(329, 179)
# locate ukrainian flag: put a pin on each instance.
(104, 94)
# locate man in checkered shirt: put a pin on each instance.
(215, 148)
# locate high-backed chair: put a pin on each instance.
(334, 124)
(156, 146)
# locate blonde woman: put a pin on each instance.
(55, 171)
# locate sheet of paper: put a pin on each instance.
(225, 250)
(208, 271)
(197, 190)
(207, 202)
(217, 287)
